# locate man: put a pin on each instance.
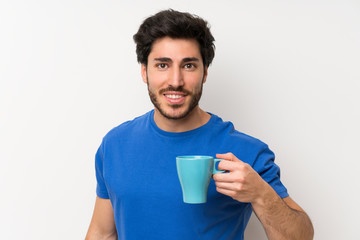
(138, 191)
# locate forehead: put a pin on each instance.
(175, 48)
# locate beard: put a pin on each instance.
(194, 101)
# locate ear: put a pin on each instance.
(205, 74)
(144, 73)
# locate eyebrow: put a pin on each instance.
(163, 59)
(188, 59)
(191, 59)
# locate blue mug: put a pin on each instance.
(194, 174)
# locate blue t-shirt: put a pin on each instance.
(136, 170)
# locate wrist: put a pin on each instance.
(266, 197)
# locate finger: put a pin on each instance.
(227, 192)
(223, 177)
(228, 156)
(231, 186)
(231, 166)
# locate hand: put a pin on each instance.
(241, 182)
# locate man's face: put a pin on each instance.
(175, 74)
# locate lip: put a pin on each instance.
(180, 97)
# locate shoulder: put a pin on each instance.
(128, 127)
(246, 147)
(228, 131)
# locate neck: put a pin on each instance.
(196, 118)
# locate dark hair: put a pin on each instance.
(174, 24)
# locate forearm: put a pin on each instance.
(98, 235)
(280, 220)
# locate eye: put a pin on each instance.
(161, 65)
(189, 66)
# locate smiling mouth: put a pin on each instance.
(173, 96)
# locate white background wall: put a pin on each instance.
(286, 72)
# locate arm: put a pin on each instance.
(281, 218)
(102, 224)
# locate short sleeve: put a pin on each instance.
(269, 171)
(101, 189)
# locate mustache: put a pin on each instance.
(173, 89)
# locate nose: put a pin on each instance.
(176, 78)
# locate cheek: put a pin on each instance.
(196, 81)
(156, 78)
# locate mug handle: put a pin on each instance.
(216, 160)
